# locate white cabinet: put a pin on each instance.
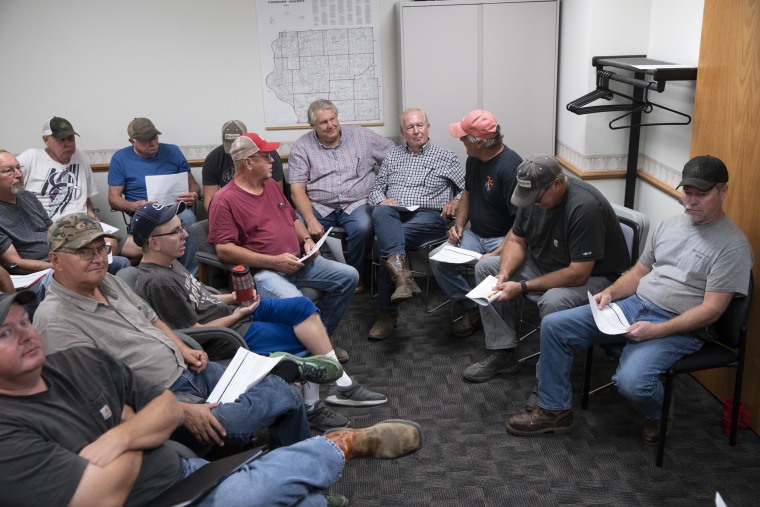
(496, 55)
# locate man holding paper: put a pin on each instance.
(485, 202)
(127, 188)
(87, 307)
(417, 189)
(566, 240)
(685, 279)
(252, 223)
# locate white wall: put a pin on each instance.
(189, 65)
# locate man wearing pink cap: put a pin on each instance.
(252, 223)
(488, 186)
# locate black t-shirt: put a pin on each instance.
(219, 170)
(582, 227)
(490, 185)
(42, 434)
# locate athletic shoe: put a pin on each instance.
(354, 395)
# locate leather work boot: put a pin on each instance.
(651, 432)
(495, 363)
(405, 284)
(540, 421)
(467, 324)
(383, 327)
(389, 439)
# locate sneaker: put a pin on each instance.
(540, 421)
(336, 500)
(323, 418)
(355, 395)
(317, 369)
(495, 363)
(467, 323)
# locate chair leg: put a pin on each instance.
(587, 376)
(664, 418)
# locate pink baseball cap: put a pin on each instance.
(250, 144)
(478, 123)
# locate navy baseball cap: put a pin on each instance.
(21, 297)
(150, 216)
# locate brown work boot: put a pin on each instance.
(540, 421)
(383, 327)
(651, 432)
(467, 323)
(399, 272)
(389, 439)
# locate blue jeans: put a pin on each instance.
(336, 281)
(358, 226)
(498, 320)
(291, 475)
(271, 403)
(450, 278)
(642, 363)
(188, 258)
(274, 322)
(397, 231)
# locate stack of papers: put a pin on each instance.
(455, 255)
(316, 247)
(611, 320)
(246, 369)
(24, 281)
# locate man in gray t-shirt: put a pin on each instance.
(691, 269)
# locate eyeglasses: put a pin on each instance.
(87, 254)
(261, 155)
(177, 231)
(541, 194)
(8, 170)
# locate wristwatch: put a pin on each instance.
(524, 287)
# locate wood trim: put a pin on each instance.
(103, 168)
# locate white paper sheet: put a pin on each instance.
(485, 294)
(317, 246)
(164, 188)
(336, 248)
(406, 208)
(23, 281)
(246, 369)
(611, 320)
(455, 255)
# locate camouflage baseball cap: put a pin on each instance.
(75, 231)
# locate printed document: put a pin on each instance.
(485, 294)
(24, 281)
(246, 369)
(611, 320)
(455, 255)
(164, 188)
(316, 247)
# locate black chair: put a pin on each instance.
(726, 351)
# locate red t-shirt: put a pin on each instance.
(261, 223)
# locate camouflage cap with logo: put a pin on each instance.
(75, 231)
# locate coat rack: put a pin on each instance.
(659, 72)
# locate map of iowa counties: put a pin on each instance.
(334, 64)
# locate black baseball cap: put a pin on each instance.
(703, 173)
(21, 297)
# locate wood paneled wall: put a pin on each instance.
(727, 125)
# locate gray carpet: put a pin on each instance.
(468, 458)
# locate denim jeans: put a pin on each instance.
(498, 320)
(188, 258)
(336, 281)
(398, 231)
(449, 276)
(271, 403)
(642, 363)
(274, 322)
(291, 475)
(358, 226)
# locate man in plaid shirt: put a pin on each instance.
(331, 171)
(417, 174)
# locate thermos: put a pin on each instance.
(242, 284)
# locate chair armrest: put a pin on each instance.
(220, 343)
(212, 260)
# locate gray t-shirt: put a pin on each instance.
(124, 328)
(24, 225)
(688, 260)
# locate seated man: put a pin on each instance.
(251, 223)
(485, 204)
(418, 173)
(218, 168)
(331, 171)
(147, 157)
(113, 453)
(566, 240)
(690, 270)
(291, 325)
(61, 178)
(85, 306)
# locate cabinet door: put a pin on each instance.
(440, 65)
(520, 72)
